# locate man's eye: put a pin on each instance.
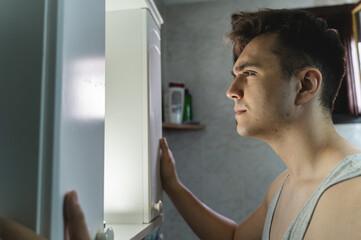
(248, 73)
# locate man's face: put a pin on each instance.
(264, 100)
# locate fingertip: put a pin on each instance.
(163, 143)
(73, 195)
(70, 203)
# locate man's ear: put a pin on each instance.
(308, 85)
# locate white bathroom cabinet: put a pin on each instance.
(52, 92)
(133, 116)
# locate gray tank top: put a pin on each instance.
(348, 168)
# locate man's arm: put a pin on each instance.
(205, 222)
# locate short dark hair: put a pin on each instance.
(303, 41)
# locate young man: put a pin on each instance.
(288, 70)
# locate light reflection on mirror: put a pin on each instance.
(89, 86)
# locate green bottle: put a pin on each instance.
(187, 109)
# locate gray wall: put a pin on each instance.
(231, 174)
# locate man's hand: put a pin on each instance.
(168, 170)
(206, 223)
(74, 221)
(74, 224)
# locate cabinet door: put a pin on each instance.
(77, 158)
(52, 104)
(155, 115)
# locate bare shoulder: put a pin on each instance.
(275, 186)
(338, 211)
(348, 192)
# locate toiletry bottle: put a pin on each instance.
(175, 102)
(187, 110)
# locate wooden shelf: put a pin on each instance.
(183, 126)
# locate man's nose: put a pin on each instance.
(235, 91)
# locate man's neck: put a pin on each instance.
(309, 150)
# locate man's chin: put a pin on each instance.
(246, 132)
(242, 131)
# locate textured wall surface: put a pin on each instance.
(229, 173)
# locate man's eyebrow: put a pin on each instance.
(244, 65)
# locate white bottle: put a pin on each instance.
(174, 103)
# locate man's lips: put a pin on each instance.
(240, 111)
